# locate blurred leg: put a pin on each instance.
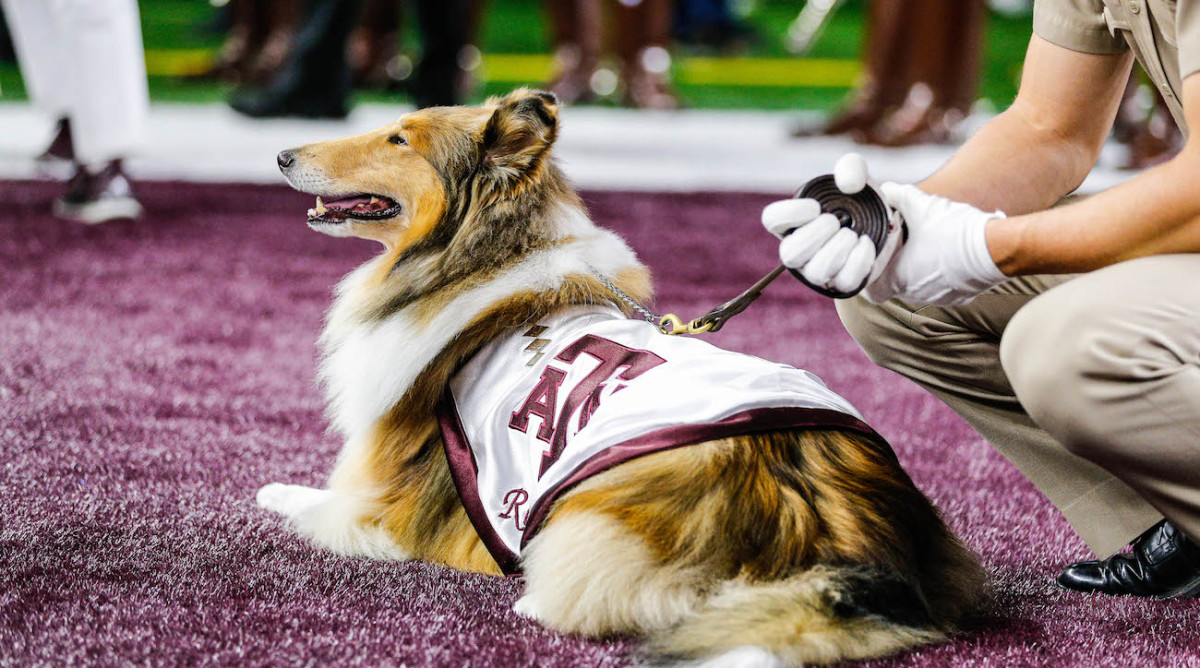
(443, 35)
(471, 57)
(963, 61)
(279, 34)
(563, 21)
(109, 100)
(315, 81)
(576, 34)
(887, 54)
(946, 64)
(42, 52)
(886, 63)
(1155, 139)
(374, 43)
(643, 35)
(926, 41)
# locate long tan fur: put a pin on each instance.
(813, 546)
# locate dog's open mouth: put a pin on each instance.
(360, 207)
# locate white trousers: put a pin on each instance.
(83, 60)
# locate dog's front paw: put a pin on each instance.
(740, 657)
(290, 500)
(528, 608)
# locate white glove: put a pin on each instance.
(945, 260)
(815, 244)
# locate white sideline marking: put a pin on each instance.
(600, 148)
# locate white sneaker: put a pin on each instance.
(98, 198)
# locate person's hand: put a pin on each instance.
(815, 244)
(944, 261)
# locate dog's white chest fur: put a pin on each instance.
(369, 366)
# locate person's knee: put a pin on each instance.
(1071, 361)
(871, 326)
(1042, 353)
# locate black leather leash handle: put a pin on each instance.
(716, 318)
(863, 212)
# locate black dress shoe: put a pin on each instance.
(1164, 564)
(275, 103)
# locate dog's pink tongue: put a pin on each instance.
(360, 203)
(349, 202)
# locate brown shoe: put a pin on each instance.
(920, 120)
(864, 111)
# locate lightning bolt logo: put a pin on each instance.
(537, 345)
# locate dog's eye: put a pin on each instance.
(397, 140)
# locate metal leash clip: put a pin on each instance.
(715, 319)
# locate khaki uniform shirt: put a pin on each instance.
(1163, 34)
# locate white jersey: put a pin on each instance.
(536, 411)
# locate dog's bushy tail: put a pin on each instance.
(822, 615)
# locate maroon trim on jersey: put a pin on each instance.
(753, 421)
(465, 473)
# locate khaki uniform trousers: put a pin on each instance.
(1089, 384)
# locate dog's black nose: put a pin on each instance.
(286, 159)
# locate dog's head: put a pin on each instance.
(421, 183)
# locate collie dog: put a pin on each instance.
(502, 414)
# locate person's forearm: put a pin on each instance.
(1042, 147)
(1014, 166)
(1156, 213)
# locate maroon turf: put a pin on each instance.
(153, 375)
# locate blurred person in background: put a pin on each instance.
(1145, 127)
(710, 24)
(449, 55)
(259, 38)
(6, 46)
(83, 64)
(922, 62)
(641, 31)
(316, 79)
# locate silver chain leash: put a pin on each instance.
(649, 315)
(709, 322)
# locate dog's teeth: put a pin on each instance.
(312, 213)
(320, 207)
(374, 200)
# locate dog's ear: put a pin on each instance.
(520, 132)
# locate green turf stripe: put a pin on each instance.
(768, 72)
(526, 68)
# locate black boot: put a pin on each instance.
(1164, 564)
